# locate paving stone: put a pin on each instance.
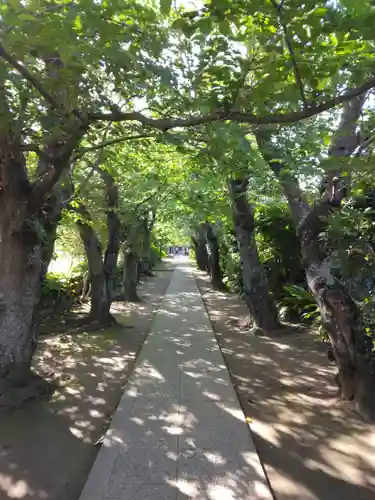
(134, 490)
(219, 475)
(179, 432)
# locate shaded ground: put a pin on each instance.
(312, 447)
(48, 448)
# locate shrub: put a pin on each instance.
(278, 246)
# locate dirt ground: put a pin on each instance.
(312, 446)
(47, 448)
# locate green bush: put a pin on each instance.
(232, 274)
(230, 263)
(278, 247)
(301, 302)
(61, 292)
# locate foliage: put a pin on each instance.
(297, 299)
(230, 263)
(165, 100)
(350, 238)
(278, 245)
(61, 292)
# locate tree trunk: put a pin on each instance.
(100, 305)
(20, 258)
(130, 276)
(50, 212)
(21, 253)
(113, 228)
(48, 246)
(111, 254)
(20, 268)
(145, 257)
(200, 249)
(86, 287)
(213, 254)
(341, 318)
(257, 295)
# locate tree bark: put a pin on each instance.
(21, 251)
(258, 299)
(130, 276)
(341, 318)
(20, 267)
(200, 249)
(114, 229)
(213, 253)
(100, 304)
(111, 253)
(50, 213)
(102, 273)
(145, 257)
(20, 258)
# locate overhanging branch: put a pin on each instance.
(309, 110)
(22, 70)
(57, 164)
(164, 124)
(297, 74)
(364, 145)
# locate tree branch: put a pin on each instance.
(364, 145)
(22, 70)
(58, 163)
(145, 200)
(114, 141)
(297, 74)
(275, 119)
(31, 148)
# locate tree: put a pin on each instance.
(261, 306)
(340, 315)
(70, 71)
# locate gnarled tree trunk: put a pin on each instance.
(341, 318)
(20, 268)
(213, 253)
(257, 295)
(130, 275)
(20, 246)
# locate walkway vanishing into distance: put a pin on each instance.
(179, 432)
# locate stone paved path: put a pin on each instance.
(179, 432)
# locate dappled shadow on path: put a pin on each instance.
(179, 432)
(47, 448)
(313, 447)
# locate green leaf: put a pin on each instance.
(78, 23)
(25, 16)
(165, 6)
(180, 24)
